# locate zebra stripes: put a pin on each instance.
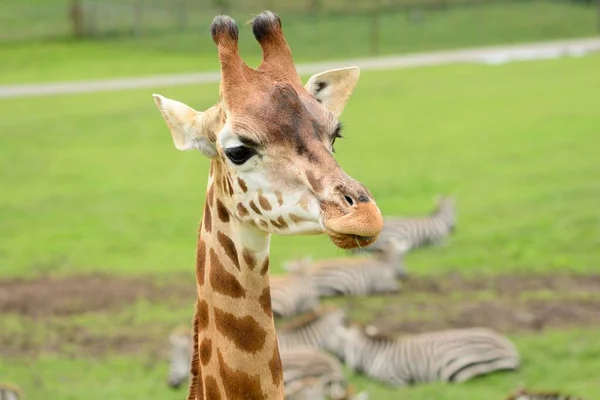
(292, 295)
(524, 394)
(9, 392)
(313, 330)
(414, 232)
(313, 375)
(356, 276)
(450, 356)
(308, 373)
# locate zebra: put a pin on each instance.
(450, 356)
(181, 339)
(354, 276)
(524, 394)
(313, 329)
(292, 295)
(414, 232)
(314, 375)
(9, 392)
(308, 373)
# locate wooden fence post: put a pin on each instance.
(77, 20)
(137, 18)
(374, 36)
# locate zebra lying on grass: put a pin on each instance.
(352, 276)
(9, 392)
(313, 329)
(413, 232)
(524, 394)
(450, 356)
(292, 295)
(309, 374)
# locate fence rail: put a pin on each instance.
(376, 19)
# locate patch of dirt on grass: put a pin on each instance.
(505, 315)
(507, 303)
(503, 284)
(46, 307)
(64, 296)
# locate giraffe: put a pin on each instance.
(270, 141)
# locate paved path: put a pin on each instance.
(488, 55)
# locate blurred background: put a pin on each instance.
(98, 212)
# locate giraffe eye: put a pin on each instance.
(239, 155)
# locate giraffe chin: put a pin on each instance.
(349, 242)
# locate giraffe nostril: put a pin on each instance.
(349, 200)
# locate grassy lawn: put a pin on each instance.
(311, 38)
(93, 183)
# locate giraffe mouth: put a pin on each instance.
(358, 228)
(349, 241)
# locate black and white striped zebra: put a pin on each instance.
(353, 276)
(448, 356)
(292, 295)
(313, 329)
(524, 394)
(414, 232)
(313, 375)
(181, 340)
(308, 373)
(9, 392)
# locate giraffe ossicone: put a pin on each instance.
(270, 140)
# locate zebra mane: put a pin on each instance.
(308, 318)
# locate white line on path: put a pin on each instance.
(487, 55)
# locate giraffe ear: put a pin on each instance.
(333, 88)
(187, 126)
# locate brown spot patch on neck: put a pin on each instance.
(212, 388)
(276, 367)
(249, 259)
(200, 261)
(202, 315)
(223, 281)
(207, 219)
(222, 211)
(229, 248)
(245, 332)
(205, 350)
(265, 301)
(238, 384)
(265, 267)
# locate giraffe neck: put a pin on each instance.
(236, 354)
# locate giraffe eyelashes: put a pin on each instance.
(239, 155)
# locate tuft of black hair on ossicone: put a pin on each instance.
(223, 27)
(264, 24)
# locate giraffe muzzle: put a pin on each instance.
(359, 227)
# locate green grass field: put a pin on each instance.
(92, 183)
(311, 38)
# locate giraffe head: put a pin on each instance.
(271, 141)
